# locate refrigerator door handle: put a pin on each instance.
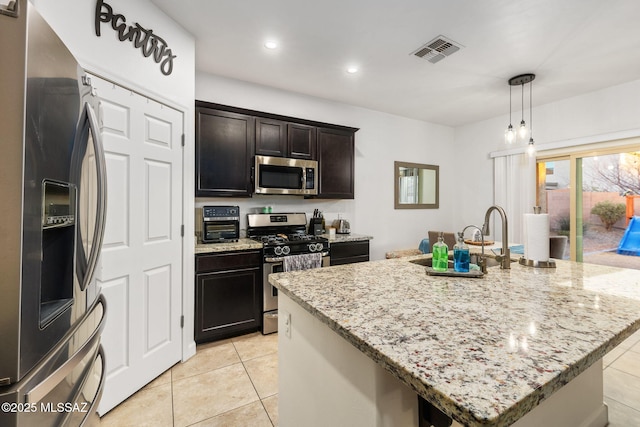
(44, 387)
(101, 214)
(94, 404)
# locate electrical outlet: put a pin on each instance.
(286, 317)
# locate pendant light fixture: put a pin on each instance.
(523, 132)
(509, 134)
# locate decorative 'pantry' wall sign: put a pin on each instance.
(143, 39)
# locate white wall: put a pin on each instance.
(382, 138)
(73, 20)
(598, 116)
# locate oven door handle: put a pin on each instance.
(279, 259)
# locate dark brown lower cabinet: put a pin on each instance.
(349, 252)
(228, 294)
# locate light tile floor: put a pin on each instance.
(622, 383)
(234, 383)
(227, 383)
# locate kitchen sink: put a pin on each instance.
(492, 262)
(427, 262)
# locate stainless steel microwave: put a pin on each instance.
(278, 175)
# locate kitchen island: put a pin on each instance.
(358, 342)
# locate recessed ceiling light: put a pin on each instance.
(271, 44)
(352, 70)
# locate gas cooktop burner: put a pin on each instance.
(284, 234)
(282, 245)
(278, 239)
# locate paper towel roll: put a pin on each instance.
(536, 237)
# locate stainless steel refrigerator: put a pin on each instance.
(52, 216)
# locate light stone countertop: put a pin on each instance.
(240, 245)
(351, 237)
(483, 350)
(244, 244)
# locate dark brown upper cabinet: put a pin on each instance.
(271, 137)
(228, 138)
(301, 141)
(280, 139)
(336, 155)
(224, 153)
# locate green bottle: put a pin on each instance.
(440, 261)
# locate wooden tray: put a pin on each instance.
(452, 273)
(474, 243)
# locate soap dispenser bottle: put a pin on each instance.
(461, 255)
(440, 257)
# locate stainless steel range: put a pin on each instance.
(287, 247)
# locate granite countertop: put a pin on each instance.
(240, 245)
(483, 350)
(248, 244)
(351, 237)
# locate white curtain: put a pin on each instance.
(514, 190)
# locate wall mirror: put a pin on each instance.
(417, 186)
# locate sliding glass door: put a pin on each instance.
(589, 197)
(606, 180)
(553, 195)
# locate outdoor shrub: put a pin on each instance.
(609, 212)
(564, 225)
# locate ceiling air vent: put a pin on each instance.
(437, 49)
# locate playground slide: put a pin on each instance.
(630, 242)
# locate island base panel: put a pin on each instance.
(579, 403)
(324, 380)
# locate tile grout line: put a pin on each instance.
(247, 372)
(253, 384)
(635, 376)
(621, 404)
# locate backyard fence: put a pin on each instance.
(558, 206)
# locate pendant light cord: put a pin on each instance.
(530, 110)
(510, 105)
(522, 105)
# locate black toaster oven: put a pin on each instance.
(220, 224)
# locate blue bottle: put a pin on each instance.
(461, 256)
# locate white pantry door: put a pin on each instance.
(141, 275)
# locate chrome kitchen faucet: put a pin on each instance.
(505, 257)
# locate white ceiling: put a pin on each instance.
(573, 47)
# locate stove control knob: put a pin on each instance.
(312, 247)
(319, 247)
(278, 250)
(286, 250)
